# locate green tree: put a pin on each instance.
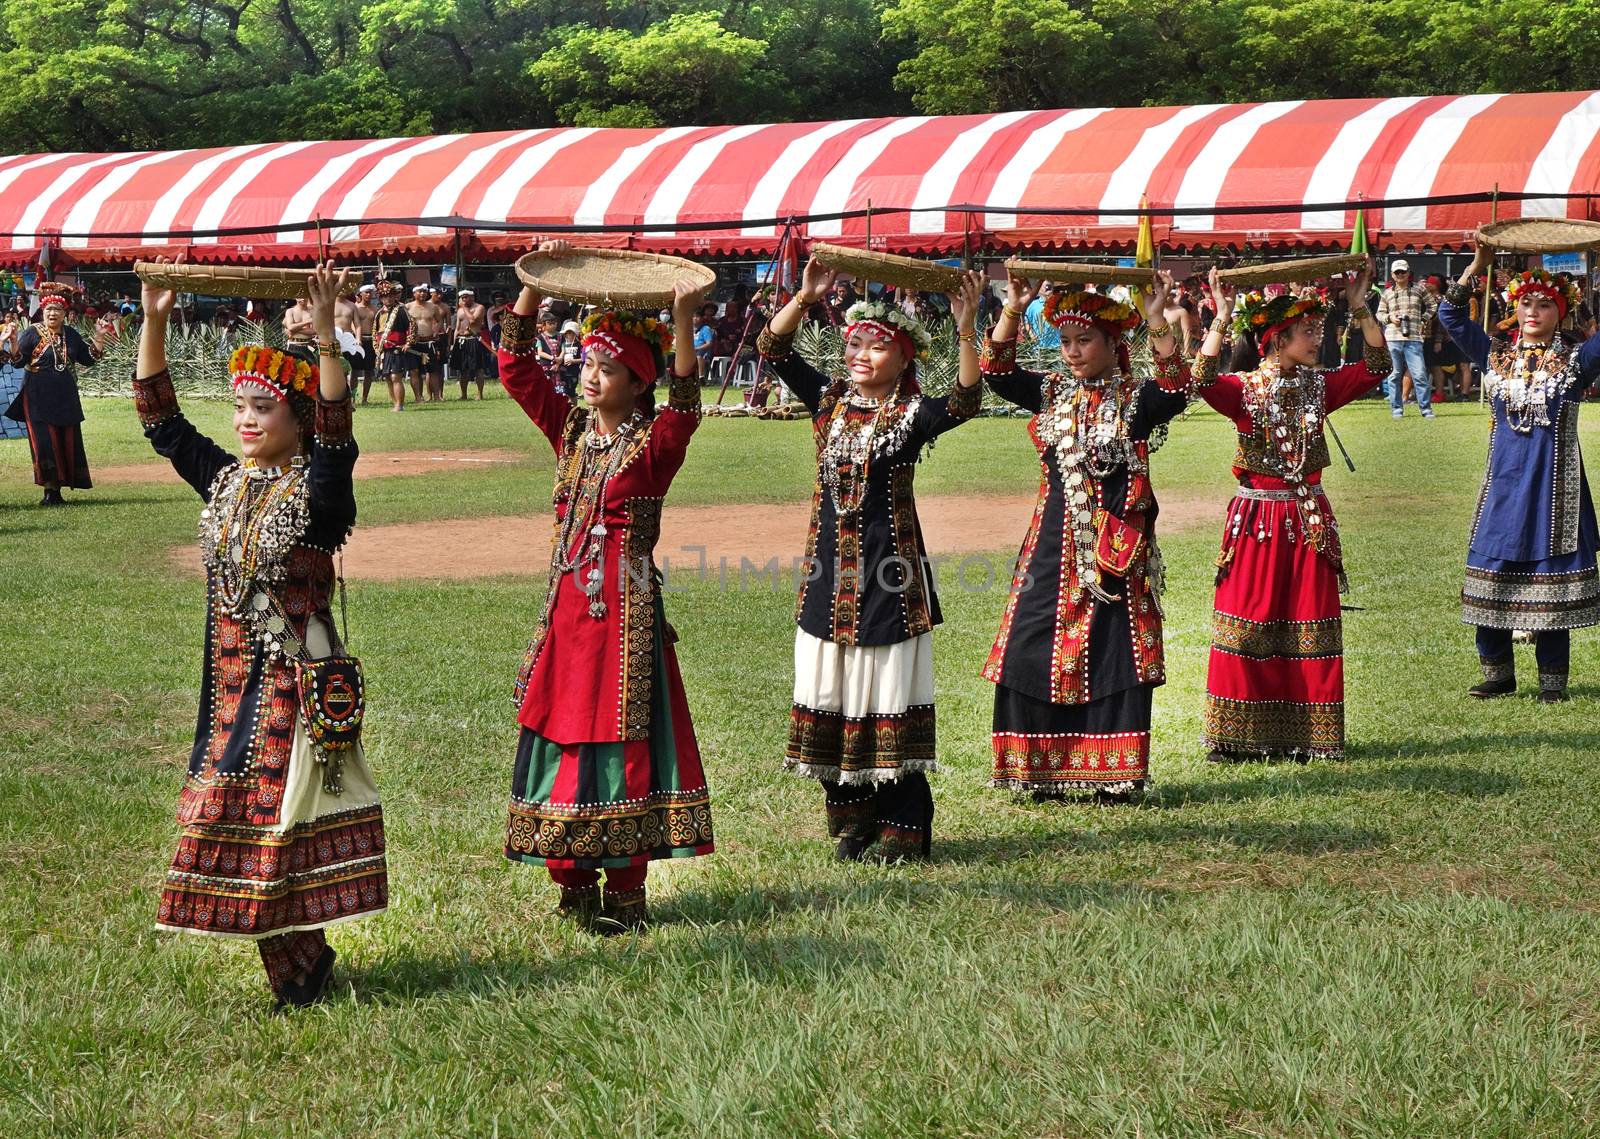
(685, 69)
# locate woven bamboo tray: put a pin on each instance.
(1541, 235)
(252, 281)
(889, 268)
(1290, 272)
(1073, 272)
(616, 278)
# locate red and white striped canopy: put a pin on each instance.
(1007, 172)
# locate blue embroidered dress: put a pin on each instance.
(1531, 560)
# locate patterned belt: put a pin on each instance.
(1252, 494)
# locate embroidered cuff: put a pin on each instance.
(154, 398)
(1204, 372)
(683, 393)
(1377, 359)
(518, 334)
(773, 346)
(1459, 295)
(998, 357)
(1170, 373)
(964, 403)
(333, 422)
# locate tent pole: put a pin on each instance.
(749, 315)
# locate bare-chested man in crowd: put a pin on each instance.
(366, 367)
(471, 357)
(425, 333)
(298, 329)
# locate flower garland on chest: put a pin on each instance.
(1088, 425)
(1528, 378)
(849, 443)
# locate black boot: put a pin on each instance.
(315, 987)
(624, 911)
(1499, 678)
(580, 903)
(1552, 687)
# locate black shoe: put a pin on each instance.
(1553, 696)
(623, 912)
(1104, 798)
(314, 988)
(1489, 689)
(581, 905)
(852, 847)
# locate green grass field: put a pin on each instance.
(1404, 943)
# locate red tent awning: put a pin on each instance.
(1230, 174)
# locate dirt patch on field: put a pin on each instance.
(374, 465)
(456, 549)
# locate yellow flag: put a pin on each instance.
(1144, 253)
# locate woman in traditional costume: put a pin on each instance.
(50, 353)
(281, 836)
(863, 716)
(1079, 653)
(1531, 558)
(1275, 685)
(607, 773)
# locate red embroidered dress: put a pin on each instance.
(265, 848)
(1074, 672)
(607, 771)
(1275, 684)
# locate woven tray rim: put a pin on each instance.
(1584, 235)
(1288, 272)
(613, 276)
(249, 281)
(1080, 271)
(888, 268)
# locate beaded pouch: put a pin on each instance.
(1119, 542)
(332, 703)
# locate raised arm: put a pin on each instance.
(675, 424)
(521, 374)
(196, 458)
(776, 341)
(1354, 380)
(1456, 311)
(331, 474)
(965, 399)
(999, 363)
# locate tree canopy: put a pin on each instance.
(126, 74)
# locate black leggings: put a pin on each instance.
(1552, 648)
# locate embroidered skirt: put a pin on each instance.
(619, 803)
(1275, 683)
(1103, 745)
(1538, 596)
(323, 863)
(862, 713)
(57, 449)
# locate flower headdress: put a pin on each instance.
(892, 323)
(1093, 310)
(1263, 317)
(278, 372)
(634, 340)
(1536, 282)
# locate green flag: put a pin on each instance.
(1358, 233)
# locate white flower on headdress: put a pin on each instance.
(892, 316)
